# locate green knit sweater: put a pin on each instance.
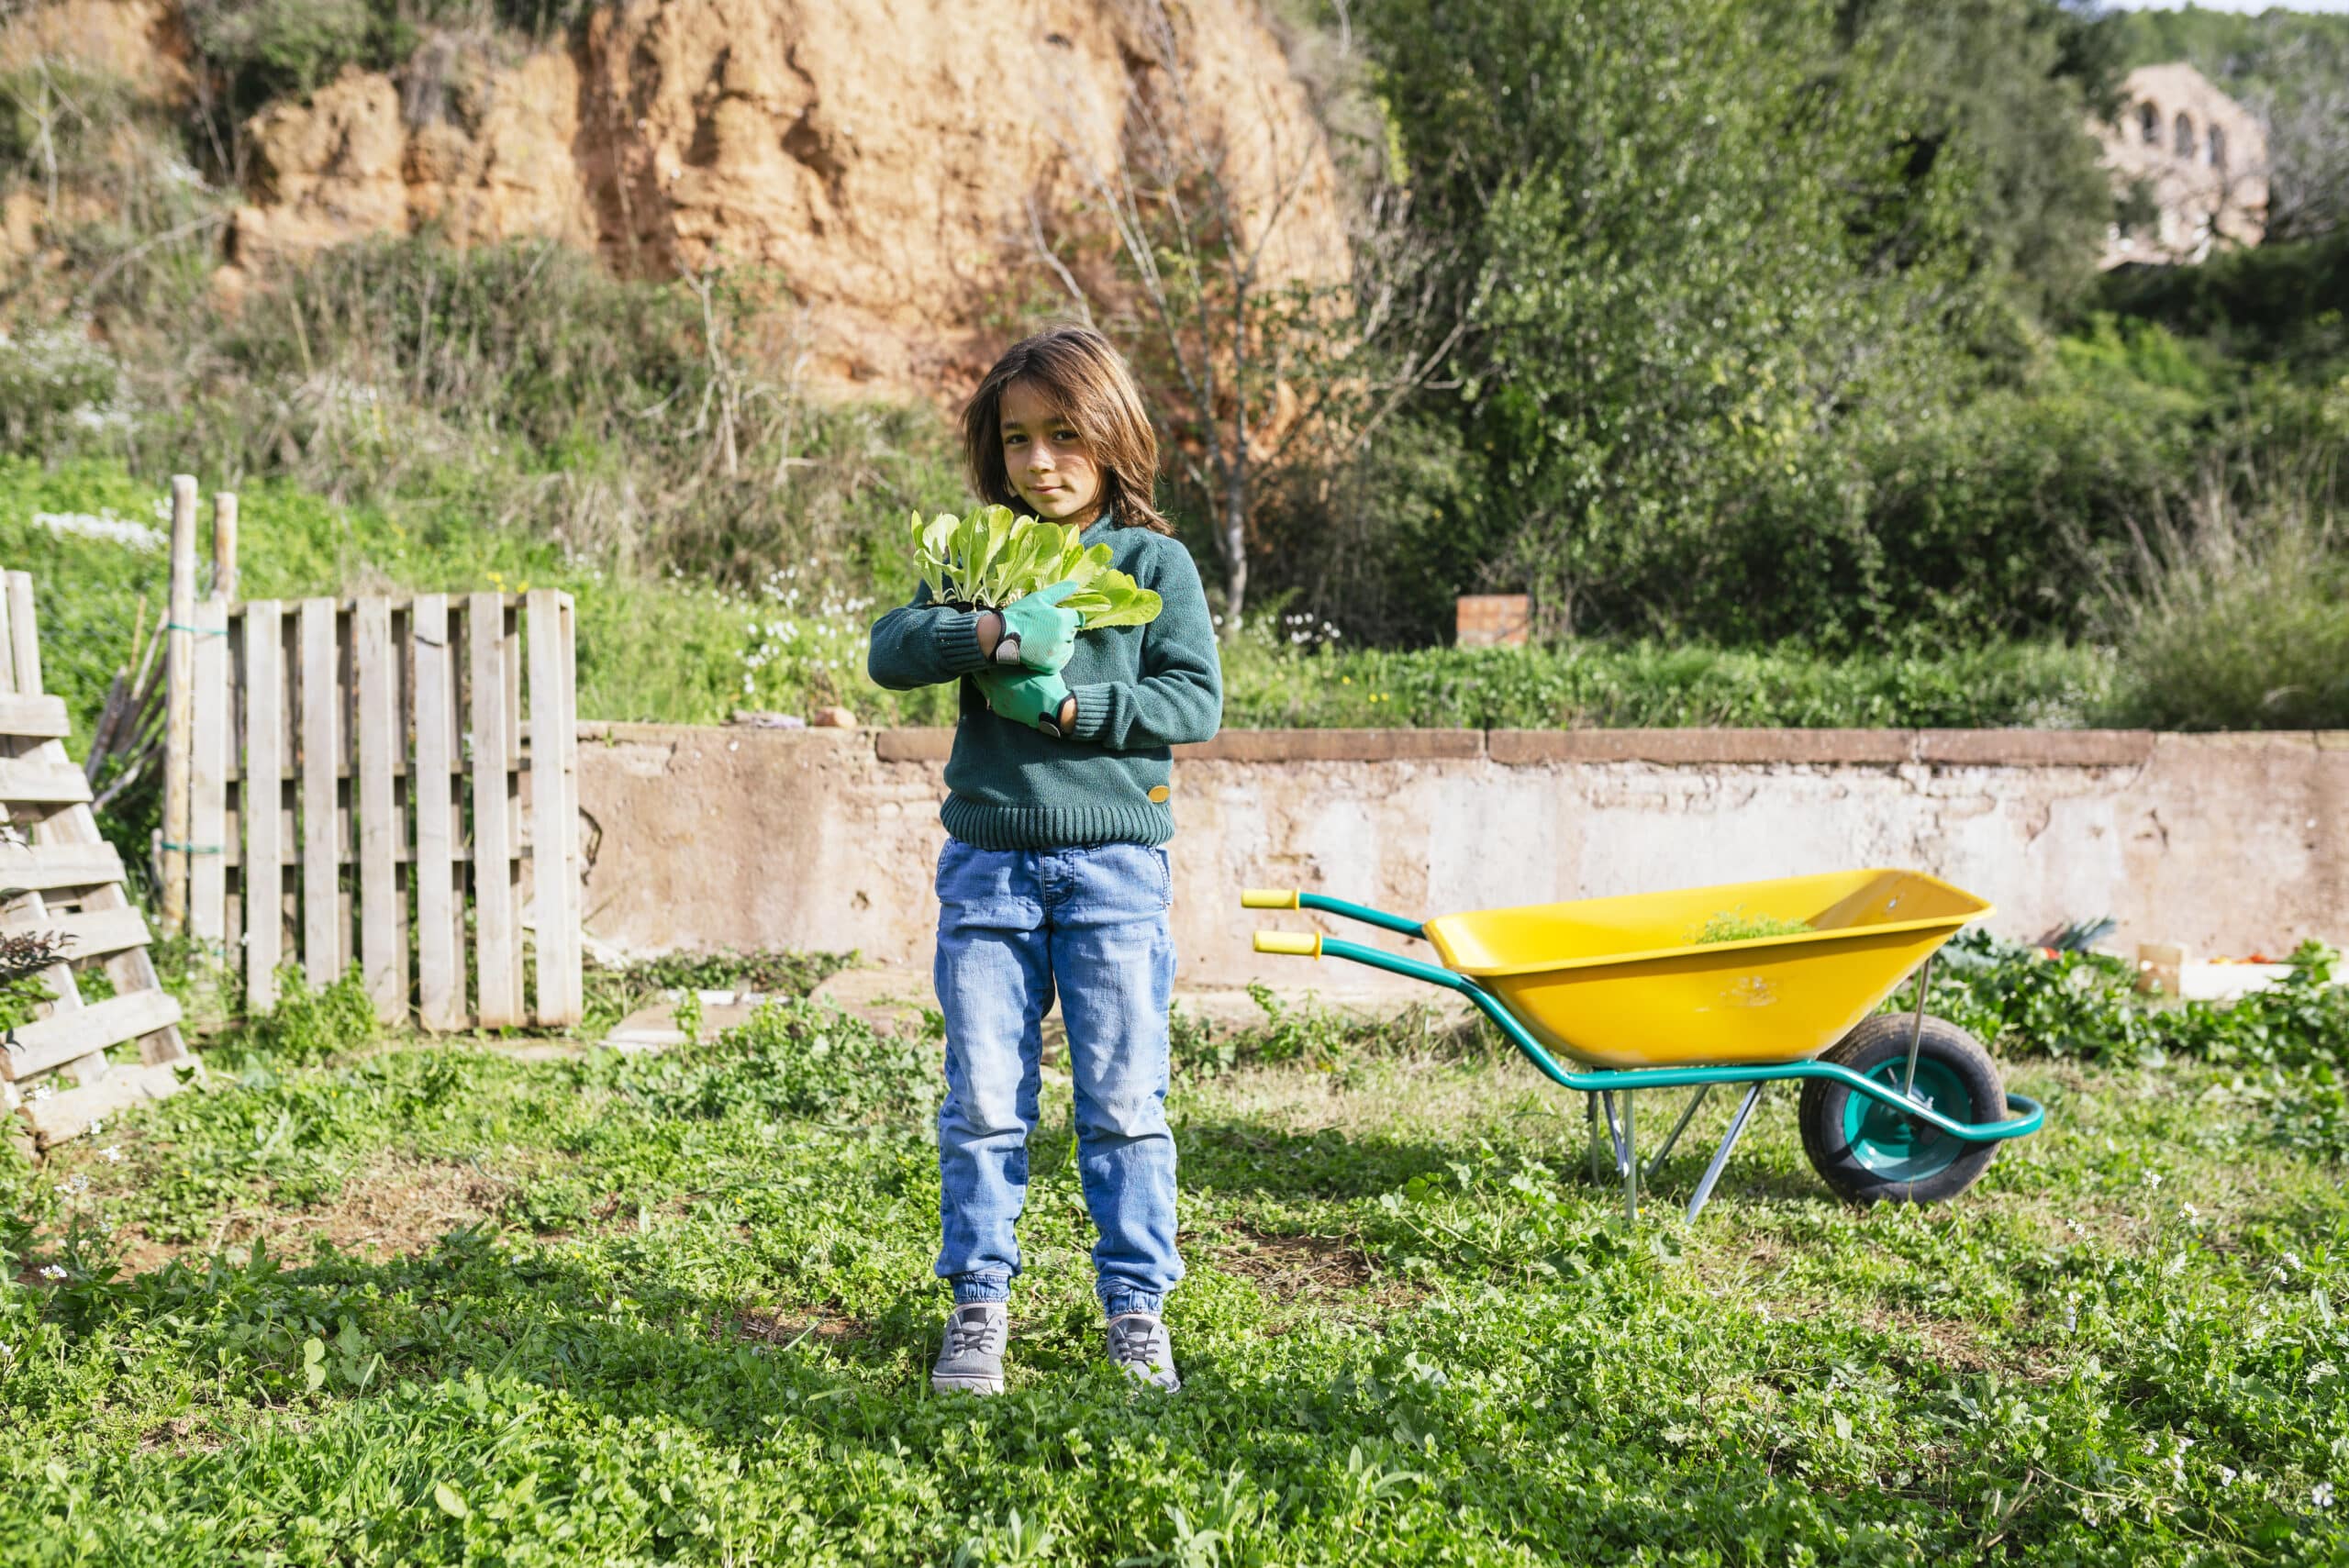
(1139, 690)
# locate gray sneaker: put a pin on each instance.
(1140, 1343)
(970, 1360)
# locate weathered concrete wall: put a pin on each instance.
(823, 839)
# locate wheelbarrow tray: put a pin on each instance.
(1623, 982)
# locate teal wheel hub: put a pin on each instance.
(1900, 1148)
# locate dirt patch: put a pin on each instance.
(1951, 1343)
(393, 1208)
(1287, 1267)
(775, 1325)
(181, 1434)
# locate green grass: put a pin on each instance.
(1316, 684)
(678, 1308)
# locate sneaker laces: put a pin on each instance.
(1133, 1336)
(969, 1332)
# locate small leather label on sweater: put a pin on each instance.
(1158, 796)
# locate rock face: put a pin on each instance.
(880, 158)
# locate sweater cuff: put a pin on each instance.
(1092, 712)
(958, 642)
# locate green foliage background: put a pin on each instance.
(1785, 384)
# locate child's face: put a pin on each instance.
(1046, 460)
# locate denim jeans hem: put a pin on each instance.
(980, 1287)
(1118, 1300)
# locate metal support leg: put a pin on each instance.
(1630, 1164)
(1614, 1128)
(1721, 1156)
(1917, 1028)
(1656, 1164)
(1590, 1132)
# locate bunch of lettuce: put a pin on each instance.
(990, 558)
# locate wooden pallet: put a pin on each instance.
(372, 781)
(58, 1077)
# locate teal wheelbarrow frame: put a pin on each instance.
(1600, 1086)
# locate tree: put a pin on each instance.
(1257, 352)
(1700, 256)
(2006, 87)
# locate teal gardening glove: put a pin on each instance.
(1033, 699)
(1037, 633)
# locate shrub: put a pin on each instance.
(269, 49)
(306, 1026)
(53, 378)
(2239, 620)
(795, 1059)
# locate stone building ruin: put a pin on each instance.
(2189, 167)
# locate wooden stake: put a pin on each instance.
(224, 545)
(179, 723)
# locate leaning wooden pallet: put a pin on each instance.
(64, 878)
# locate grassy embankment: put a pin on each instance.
(672, 649)
(372, 1301)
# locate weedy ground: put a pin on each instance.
(379, 1300)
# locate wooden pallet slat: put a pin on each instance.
(263, 863)
(34, 717)
(88, 933)
(567, 760)
(214, 721)
(382, 934)
(553, 892)
(323, 849)
(40, 781)
(70, 1114)
(439, 962)
(24, 637)
(47, 868)
(64, 1036)
(498, 977)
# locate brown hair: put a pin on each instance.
(1089, 382)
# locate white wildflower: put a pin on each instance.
(2226, 1475)
(2323, 1496)
(51, 1272)
(103, 525)
(111, 1153)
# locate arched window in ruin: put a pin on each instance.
(2185, 146)
(2149, 124)
(2217, 145)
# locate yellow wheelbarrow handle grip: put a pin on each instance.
(1268, 899)
(1302, 944)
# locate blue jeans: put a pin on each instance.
(1012, 925)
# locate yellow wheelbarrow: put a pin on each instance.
(1906, 1107)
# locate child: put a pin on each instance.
(1054, 875)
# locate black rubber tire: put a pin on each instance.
(1955, 1054)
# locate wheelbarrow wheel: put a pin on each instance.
(1869, 1152)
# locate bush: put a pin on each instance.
(795, 1059)
(54, 379)
(2239, 620)
(307, 1027)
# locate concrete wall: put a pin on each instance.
(705, 837)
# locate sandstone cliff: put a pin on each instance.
(879, 156)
